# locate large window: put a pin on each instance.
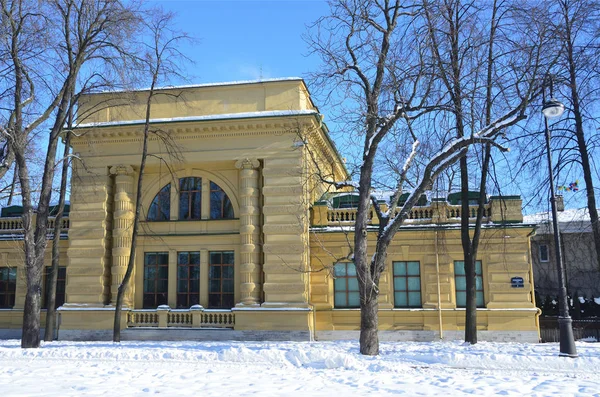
(407, 284)
(8, 287)
(220, 205)
(461, 284)
(345, 286)
(220, 280)
(156, 274)
(190, 198)
(160, 209)
(190, 202)
(60, 286)
(188, 279)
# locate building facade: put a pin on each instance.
(579, 254)
(238, 240)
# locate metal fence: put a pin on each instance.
(582, 329)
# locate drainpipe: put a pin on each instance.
(439, 293)
(311, 329)
(539, 311)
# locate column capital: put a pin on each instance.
(247, 164)
(121, 169)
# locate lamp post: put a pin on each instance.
(551, 109)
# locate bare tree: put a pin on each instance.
(578, 28)
(45, 48)
(377, 66)
(159, 62)
(52, 275)
(482, 62)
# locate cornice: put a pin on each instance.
(196, 130)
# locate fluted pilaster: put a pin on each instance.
(122, 225)
(250, 268)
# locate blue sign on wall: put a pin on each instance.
(517, 282)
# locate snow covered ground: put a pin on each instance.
(296, 369)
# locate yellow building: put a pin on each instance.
(238, 241)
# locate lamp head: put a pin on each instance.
(552, 108)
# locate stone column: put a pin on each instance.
(249, 232)
(122, 225)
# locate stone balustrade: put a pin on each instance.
(195, 317)
(505, 209)
(14, 225)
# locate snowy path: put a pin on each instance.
(296, 369)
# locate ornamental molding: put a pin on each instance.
(121, 169)
(128, 134)
(247, 164)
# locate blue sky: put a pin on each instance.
(253, 39)
(246, 39)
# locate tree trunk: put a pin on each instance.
(469, 261)
(581, 143)
(369, 338)
(33, 304)
(51, 293)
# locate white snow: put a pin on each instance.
(225, 116)
(568, 215)
(297, 369)
(570, 221)
(237, 82)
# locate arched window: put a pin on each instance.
(190, 198)
(220, 205)
(160, 209)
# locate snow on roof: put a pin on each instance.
(224, 83)
(225, 116)
(570, 220)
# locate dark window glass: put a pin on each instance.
(156, 275)
(188, 279)
(407, 284)
(60, 286)
(160, 209)
(220, 205)
(544, 253)
(461, 284)
(190, 198)
(8, 287)
(345, 286)
(220, 280)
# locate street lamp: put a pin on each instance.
(551, 109)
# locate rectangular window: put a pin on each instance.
(188, 279)
(190, 198)
(220, 280)
(407, 284)
(461, 284)
(156, 279)
(60, 286)
(345, 286)
(544, 253)
(8, 287)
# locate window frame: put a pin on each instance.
(479, 292)
(188, 214)
(214, 190)
(160, 297)
(407, 290)
(60, 296)
(6, 295)
(346, 283)
(163, 194)
(189, 281)
(540, 256)
(229, 295)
